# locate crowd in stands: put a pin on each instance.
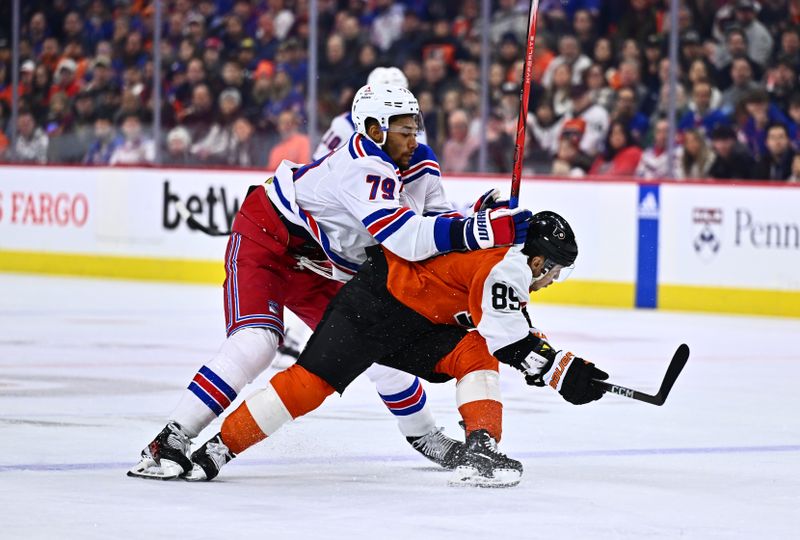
(234, 76)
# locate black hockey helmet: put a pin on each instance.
(550, 236)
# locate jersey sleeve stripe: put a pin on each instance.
(378, 214)
(390, 229)
(425, 164)
(444, 214)
(377, 225)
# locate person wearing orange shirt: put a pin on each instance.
(294, 145)
(458, 316)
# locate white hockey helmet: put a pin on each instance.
(387, 75)
(382, 102)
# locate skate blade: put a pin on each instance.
(197, 474)
(150, 470)
(470, 477)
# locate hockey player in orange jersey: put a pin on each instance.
(453, 316)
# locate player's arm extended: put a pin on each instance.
(371, 192)
(503, 322)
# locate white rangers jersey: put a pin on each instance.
(342, 128)
(356, 197)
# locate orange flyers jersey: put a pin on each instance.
(487, 288)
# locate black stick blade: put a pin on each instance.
(674, 369)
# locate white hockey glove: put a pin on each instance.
(489, 200)
(492, 228)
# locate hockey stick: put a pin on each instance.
(194, 224)
(525, 92)
(673, 370)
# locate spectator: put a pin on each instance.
(266, 43)
(31, 143)
(65, 79)
(760, 115)
(741, 85)
(759, 40)
(560, 91)
(790, 46)
(701, 114)
(459, 148)
(731, 160)
(199, 116)
(654, 163)
(214, 146)
(625, 111)
(781, 83)
(595, 118)
(594, 79)
(621, 155)
(242, 151)
(178, 144)
(584, 28)
(638, 22)
(545, 126)
(293, 145)
(569, 52)
(570, 160)
(735, 47)
(508, 17)
(795, 177)
(134, 148)
(498, 141)
(696, 158)
(283, 97)
(776, 163)
(104, 143)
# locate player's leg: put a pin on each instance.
(254, 322)
(405, 397)
(289, 395)
(481, 408)
(329, 362)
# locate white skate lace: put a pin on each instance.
(434, 444)
(177, 439)
(218, 453)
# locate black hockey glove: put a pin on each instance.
(573, 377)
(563, 371)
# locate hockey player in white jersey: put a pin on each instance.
(342, 127)
(332, 208)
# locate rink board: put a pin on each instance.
(684, 246)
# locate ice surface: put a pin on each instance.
(90, 368)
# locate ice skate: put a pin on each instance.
(438, 447)
(482, 465)
(208, 460)
(166, 457)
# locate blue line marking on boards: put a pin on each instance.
(647, 251)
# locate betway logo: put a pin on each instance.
(206, 209)
(483, 231)
(767, 234)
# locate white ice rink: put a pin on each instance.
(89, 369)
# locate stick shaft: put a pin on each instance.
(525, 92)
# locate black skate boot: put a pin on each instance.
(209, 459)
(438, 447)
(482, 465)
(166, 457)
